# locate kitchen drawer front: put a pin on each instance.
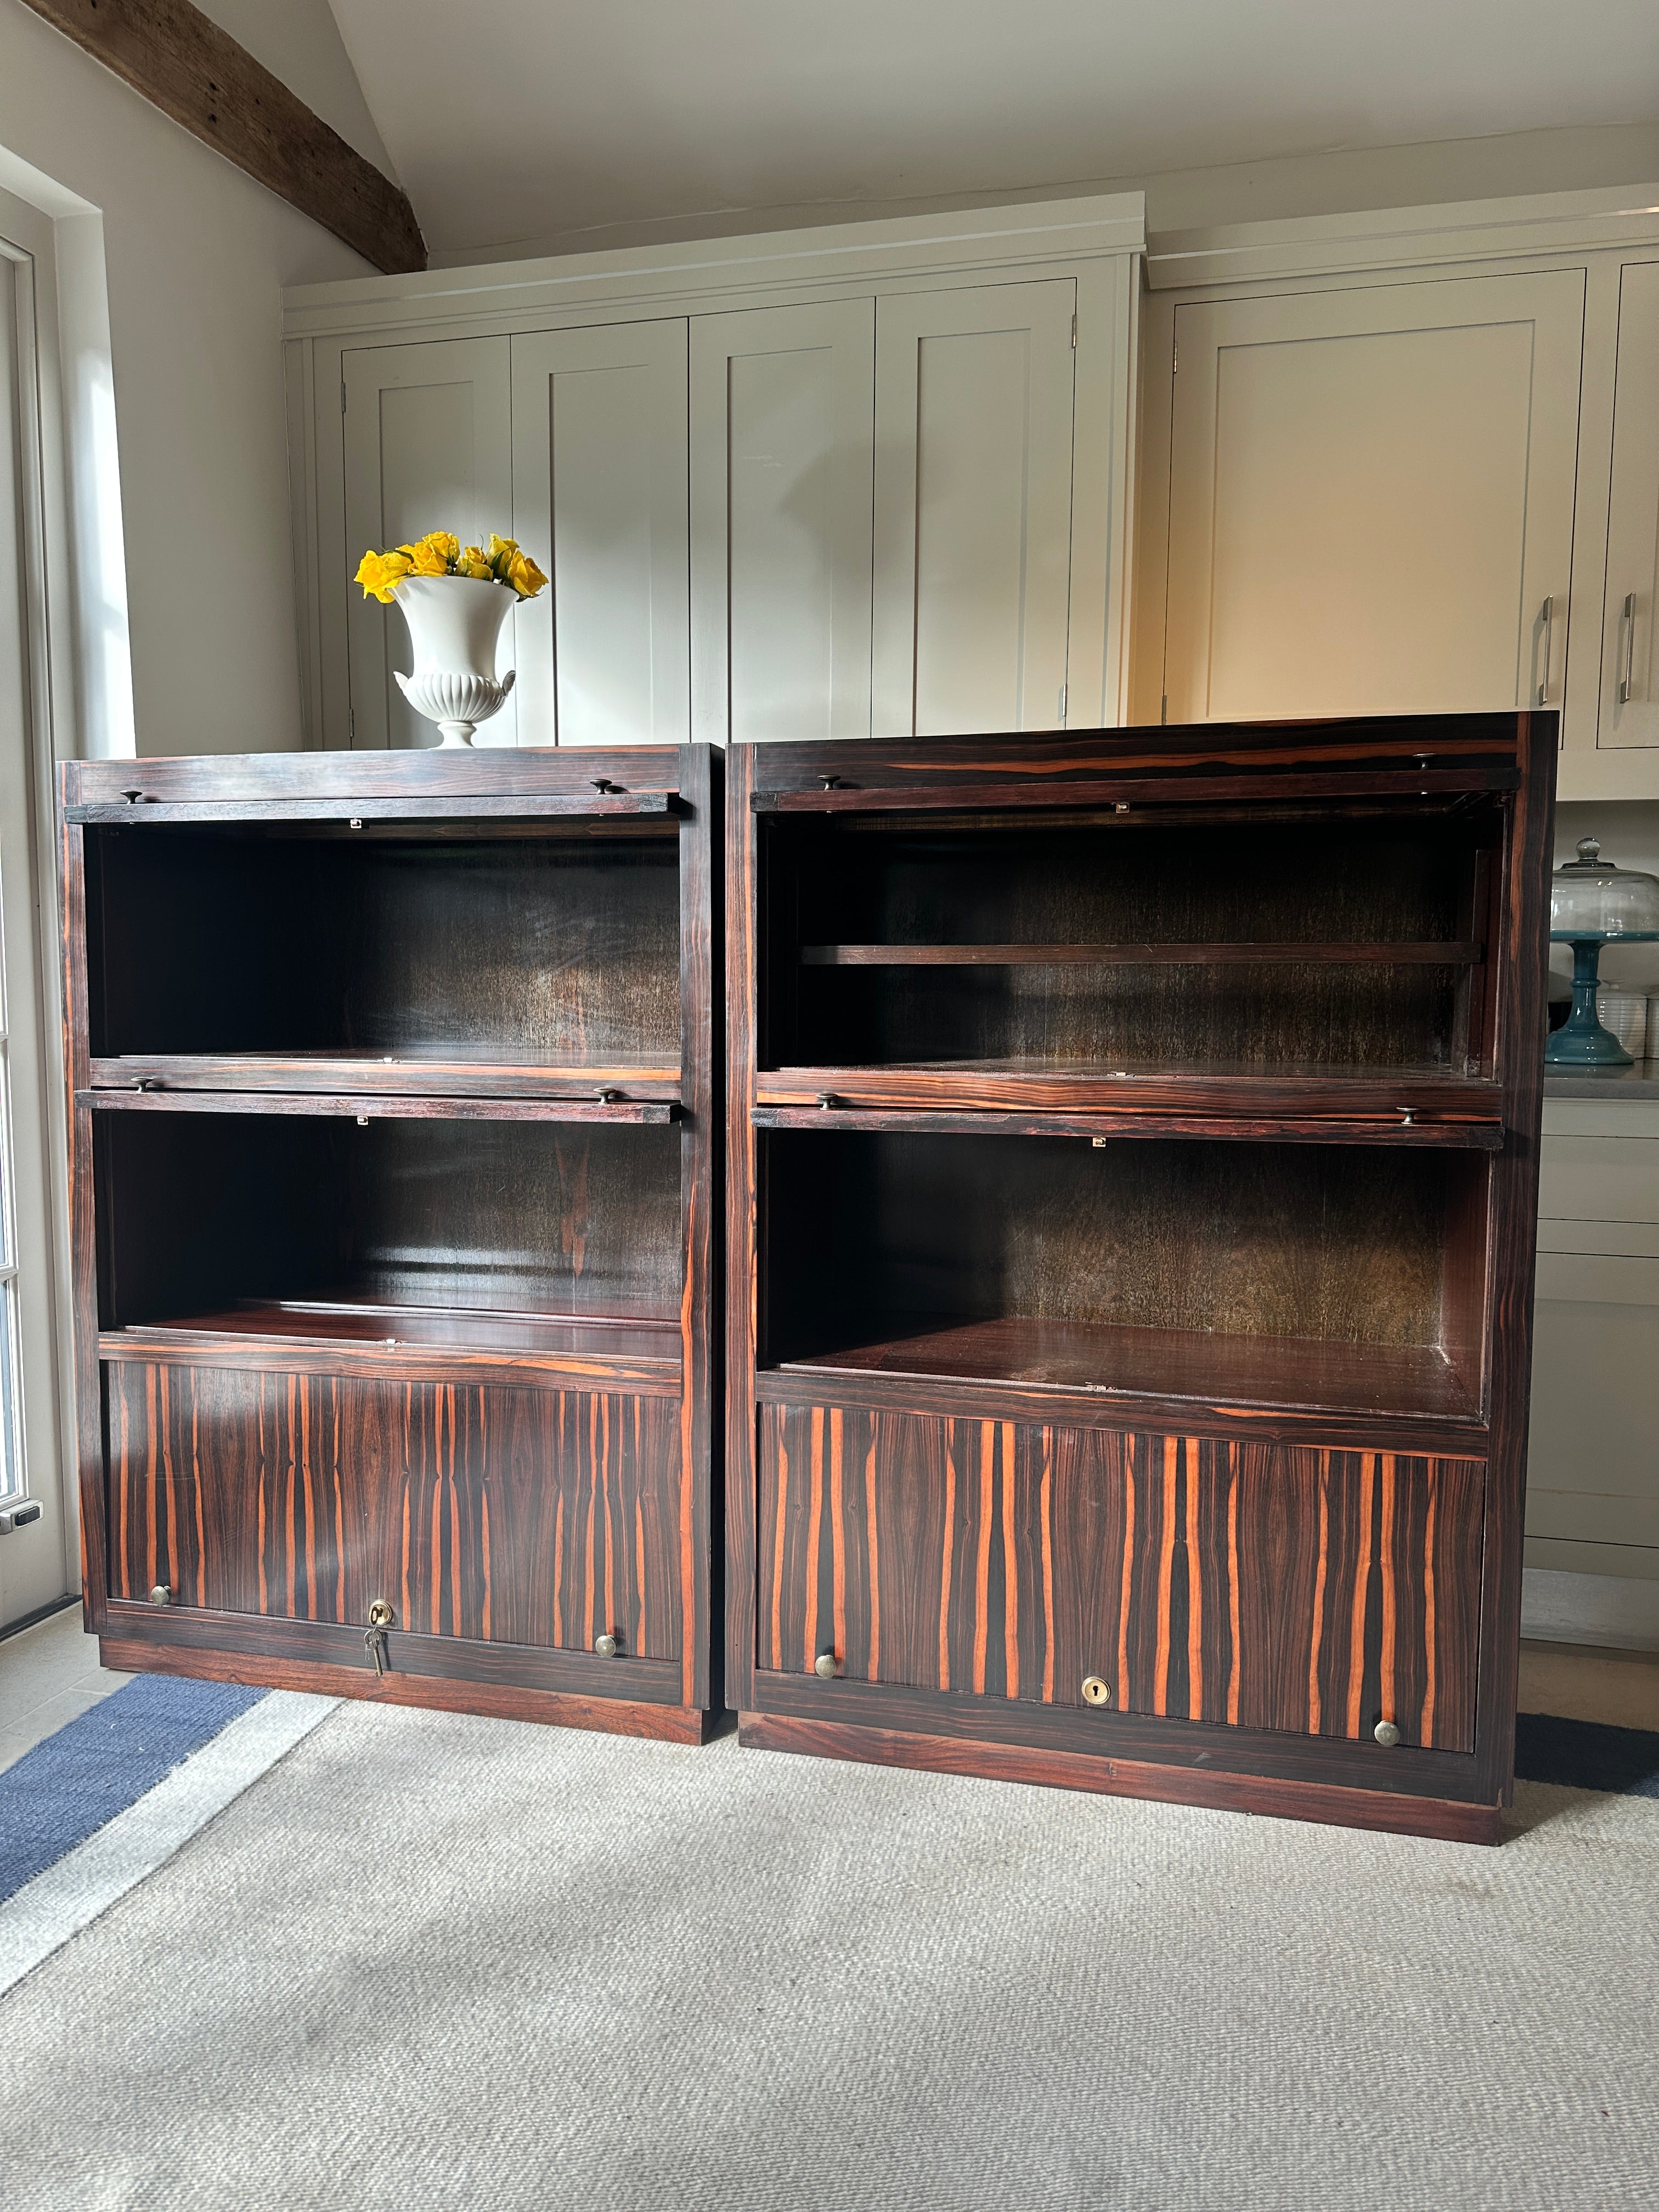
(1598, 1179)
(1255, 1585)
(506, 1515)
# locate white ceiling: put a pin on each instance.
(525, 122)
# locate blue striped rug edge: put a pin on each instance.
(76, 1780)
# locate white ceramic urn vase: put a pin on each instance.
(455, 626)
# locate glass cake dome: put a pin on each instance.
(1592, 903)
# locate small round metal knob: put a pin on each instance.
(606, 1645)
(827, 1099)
(827, 1666)
(356, 821)
(1095, 1692)
(363, 1121)
(160, 1595)
(1387, 1734)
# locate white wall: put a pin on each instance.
(197, 255)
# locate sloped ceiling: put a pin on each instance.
(542, 123)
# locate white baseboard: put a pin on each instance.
(1616, 1610)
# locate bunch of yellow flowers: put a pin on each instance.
(441, 553)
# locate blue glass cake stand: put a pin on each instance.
(1592, 903)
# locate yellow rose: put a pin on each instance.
(378, 572)
(525, 578)
(500, 551)
(473, 563)
(433, 553)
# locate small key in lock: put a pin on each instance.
(380, 1618)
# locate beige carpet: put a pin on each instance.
(428, 1963)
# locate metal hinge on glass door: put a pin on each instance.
(1074, 330)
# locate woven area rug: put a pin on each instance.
(99, 1806)
(425, 1963)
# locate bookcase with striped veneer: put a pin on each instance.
(1133, 1159)
(395, 1093)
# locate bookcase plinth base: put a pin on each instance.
(497, 1700)
(1332, 1804)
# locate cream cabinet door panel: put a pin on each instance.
(783, 439)
(1630, 664)
(427, 447)
(599, 499)
(972, 509)
(1371, 499)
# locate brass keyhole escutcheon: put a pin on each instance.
(1095, 1692)
(381, 1615)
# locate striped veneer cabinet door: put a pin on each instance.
(505, 1513)
(1263, 1586)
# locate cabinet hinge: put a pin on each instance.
(1063, 690)
(343, 395)
(1175, 359)
(1074, 330)
(1163, 709)
(352, 725)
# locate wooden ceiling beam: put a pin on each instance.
(184, 64)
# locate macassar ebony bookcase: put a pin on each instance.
(1131, 1183)
(396, 1084)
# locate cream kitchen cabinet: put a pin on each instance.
(1408, 460)
(783, 460)
(881, 507)
(868, 479)
(1371, 498)
(1593, 1471)
(427, 436)
(598, 442)
(1628, 690)
(972, 509)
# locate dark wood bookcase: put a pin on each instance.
(1131, 1197)
(396, 1097)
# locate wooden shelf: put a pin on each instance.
(1201, 1090)
(1224, 1128)
(443, 1073)
(1294, 1374)
(639, 1353)
(1304, 955)
(354, 813)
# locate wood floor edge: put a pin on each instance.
(1438, 1818)
(494, 1701)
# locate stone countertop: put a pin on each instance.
(1620, 1085)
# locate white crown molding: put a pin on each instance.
(513, 291)
(1411, 237)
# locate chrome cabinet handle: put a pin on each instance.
(1628, 645)
(1547, 616)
